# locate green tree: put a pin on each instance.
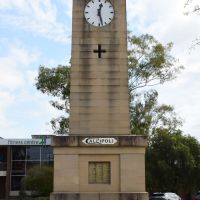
(147, 115)
(173, 162)
(39, 179)
(150, 63)
(55, 82)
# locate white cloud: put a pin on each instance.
(163, 19)
(24, 113)
(31, 76)
(68, 6)
(38, 16)
(6, 100)
(16, 63)
(10, 77)
(11, 64)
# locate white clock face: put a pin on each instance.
(99, 12)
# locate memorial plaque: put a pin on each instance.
(99, 173)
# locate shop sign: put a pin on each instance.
(26, 142)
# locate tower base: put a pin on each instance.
(99, 168)
(99, 196)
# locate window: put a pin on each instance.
(47, 163)
(24, 158)
(33, 153)
(3, 154)
(3, 159)
(16, 183)
(46, 153)
(18, 168)
(30, 164)
(18, 153)
(99, 173)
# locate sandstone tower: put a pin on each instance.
(99, 160)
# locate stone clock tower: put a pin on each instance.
(99, 79)
(99, 160)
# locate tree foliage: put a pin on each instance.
(39, 179)
(150, 62)
(147, 115)
(55, 82)
(173, 162)
(193, 7)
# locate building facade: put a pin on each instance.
(17, 156)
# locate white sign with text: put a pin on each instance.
(27, 142)
(104, 141)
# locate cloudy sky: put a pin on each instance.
(34, 33)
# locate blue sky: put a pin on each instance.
(34, 33)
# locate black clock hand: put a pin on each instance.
(101, 20)
(99, 13)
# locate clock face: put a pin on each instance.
(99, 12)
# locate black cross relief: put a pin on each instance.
(99, 51)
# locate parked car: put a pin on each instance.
(165, 196)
